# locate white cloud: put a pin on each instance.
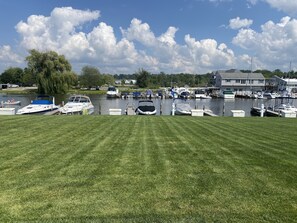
(208, 54)
(44, 33)
(238, 23)
(168, 37)
(253, 2)
(139, 31)
(288, 6)
(6, 55)
(138, 47)
(274, 46)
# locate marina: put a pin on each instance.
(213, 106)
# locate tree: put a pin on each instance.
(108, 79)
(28, 79)
(51, 71)
(142, 78)
(12, 75)
(90, 76)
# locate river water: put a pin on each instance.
(219, 106)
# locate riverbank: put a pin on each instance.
(147, 169)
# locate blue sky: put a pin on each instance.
(171, 36)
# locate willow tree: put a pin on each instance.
(51, 71)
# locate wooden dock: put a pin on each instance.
(53, 112)
(209, 113)
(256, 111)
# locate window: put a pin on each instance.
(237, 81)
(228, 80)
(243, 81)
(261, 81)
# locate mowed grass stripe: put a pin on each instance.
(147, 169)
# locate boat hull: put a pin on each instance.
(143, 112)
(36, 111)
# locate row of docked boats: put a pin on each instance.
(179, 107)
(43, 104)
(273, 111)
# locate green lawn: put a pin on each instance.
(147, 169)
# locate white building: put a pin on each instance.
(286, 84)
(239, 82)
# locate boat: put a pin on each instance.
(136, 94)
(270, 95)
(11, 102)
(78, 104)
(227, 94)
(146, 107)
(201, 94)
(181, 107)
(41, 105)
(256, 111)
(282, 107)
(149, 93)
(184, 93)
(112, 92)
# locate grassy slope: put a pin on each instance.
(153, 169)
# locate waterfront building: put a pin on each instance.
(239, 82)
(286, 84)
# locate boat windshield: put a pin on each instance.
(146, 103)
(111, 89)
(78, 99)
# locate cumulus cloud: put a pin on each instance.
(238, 23)
(7, 55)
(44, 33)
(276, 44)
(139, 47)
(207, 52)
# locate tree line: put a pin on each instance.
(52, 73)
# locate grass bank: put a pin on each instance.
(147, 169)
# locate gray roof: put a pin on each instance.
(236, 74)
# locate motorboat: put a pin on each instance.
(41, 105)
(112, 92)
(282, 107)
(201, 94)
(11, 102)
(146, 107)
(270, 95)
(136, 94)
(184, 93)
(228, 94)
(181, 107)
(78, 104)
(149, 93)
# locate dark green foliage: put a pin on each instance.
(51, 71)
(145, 79)
(142, 78)
(90, 77)
(13, 75)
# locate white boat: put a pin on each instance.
(112, 92)
(183, 93)
(287, 107)
(201, 94)
(11, 102)
(181, 107)
(146, 107)
(41, 105)
(228, 94)
(78, 104)
(269, 95)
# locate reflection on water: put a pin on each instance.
(217, 105)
